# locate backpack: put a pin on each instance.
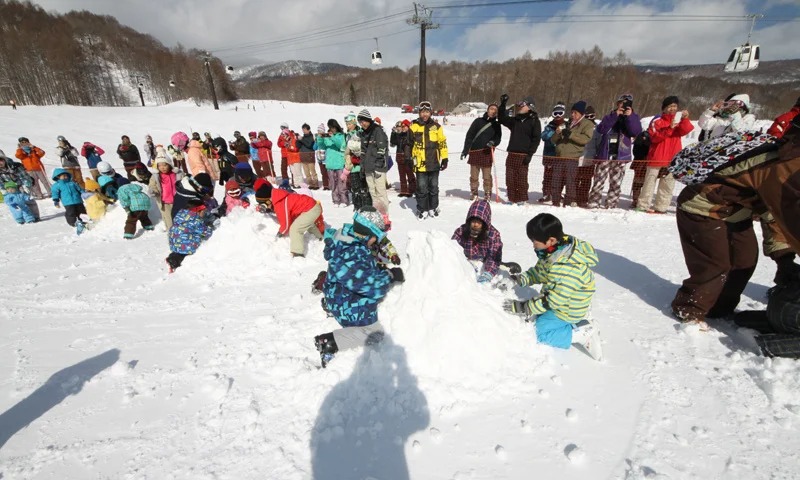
(180, 140)
(641, 145)
(694, 164)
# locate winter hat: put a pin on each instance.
(91, 185)
(321, 128)
(579, 106)
(669, 101)
(61, 138)
(161, 156)
(262, 134)
(23, 139)
(263, 190)
(559, 108)
(242, 167)
(237, 133)
(350, 118)
(369, 222)
(378, 120)
(10, 184)
(527, 101)
(104, 180)
(252, 135)
(284, 126)
(232, 188)
(744, 98)
(406, 123)
(590, 110)
(365, 115)
(544, 226)
(105, 168)
(204, 183)
(3, 156)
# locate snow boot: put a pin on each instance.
(80, 227)
(587, 335)
(436, 212)
(420, 214)
(326, 346)
(169, 265)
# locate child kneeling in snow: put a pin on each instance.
(96, 203)
(564, 270)
(297, 214)
(355, 284)
(136, 203)
(189, 229)
(18, 203)
(233, 198)
(480, 240)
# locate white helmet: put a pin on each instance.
(105, 168)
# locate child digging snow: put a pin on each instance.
(136, 203)
(18, 204)
(564, 270)
(188, 230)
(480, 240)
(355, 285)
(297, 214)
(96, 203)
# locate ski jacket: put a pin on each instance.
(665, 140)
(229, 203)
(487, 247)
(31, 159)
(132, 198)
(163, 185)
(129, 155)
(399, 140)
(571, 141)
(617, 133)
(264, 148)
(96, 205)
(306, 143)
(526, 131)
(567, 279)
(18, 205)
(288, 206)
(240, 146)
(14, 172)
(253, 152)
(334, 146)
(92, 153)
(716, 126)
(490, 131)
(781, 124)
(549, 149)
(66, 191)
(756, 185)
(68, 156)
(374, 147)
(427, 146)
(355, 283)
(149, 153)
(197, 160)
(188, 231)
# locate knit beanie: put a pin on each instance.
(669, 101)
(406, 123)
(13, 184)
(544, 226)
(252, 135)
(321, 128)
(232, 185)
(369, 222)
(579, 106)
(529, 102)
(560, 108)
(590, 110)
(204, 181)
(263, 190)
(365, 115)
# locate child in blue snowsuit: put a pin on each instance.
(564, 270)
(18, 203)
(189, 229)
(65, 191)
(355, 284)
(136, 203)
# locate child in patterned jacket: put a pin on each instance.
(189, 229)
(137, 204)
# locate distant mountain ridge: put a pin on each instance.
(771, 72)
(286, 69)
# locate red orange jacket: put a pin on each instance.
(288, 206)
(665, 140)
(31, 161)
(781, 124)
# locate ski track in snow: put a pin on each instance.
(111, 368)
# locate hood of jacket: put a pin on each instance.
(60, 171)
(481, 210)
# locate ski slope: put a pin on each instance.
(111, 368)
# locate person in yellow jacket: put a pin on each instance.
(426, 154)
(95, 202)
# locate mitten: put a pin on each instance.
(517, 308)
(55, 202)
(395, 259)
(444, 164)
(397, 274)
(504, 98)
(485, 277)
(463, 156)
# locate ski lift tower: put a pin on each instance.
(422, 18)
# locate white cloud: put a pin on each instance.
(214, 24)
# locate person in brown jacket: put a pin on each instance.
(570, 139)
(715, 224)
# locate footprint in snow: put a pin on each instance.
(574, 454)
(500, 451)
(436, 435)
(571, 415)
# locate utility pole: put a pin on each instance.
(139, 85)
(211, 80)
(422, 17)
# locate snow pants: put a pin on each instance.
(41, 185)
(133, 218)
(376, 184)
(305, 222)
(551, 330)
(486, 172)
(427, 191)
(359, 190)
(73, 212)
(408, 183)
(354, 337)
(614, 172)
(338, 187)
(779, 324)
(721, 257)
(310, 172)
(517, 177)
(175, 259)
(666, 185)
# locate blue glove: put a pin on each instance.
(485, 277)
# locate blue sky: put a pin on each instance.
(261, 31)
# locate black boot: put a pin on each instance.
(326, 346)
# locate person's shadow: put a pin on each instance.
(637, 278)
(61, 384)
(365, 421)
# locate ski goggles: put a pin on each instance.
(731, 104)
(625, 97)
(558, 113)
(425, 106)
(235, 192)
(590, 116)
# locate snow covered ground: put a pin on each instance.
(111, 368)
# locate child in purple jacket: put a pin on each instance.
(480, 240)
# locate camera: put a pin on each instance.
(626, 104)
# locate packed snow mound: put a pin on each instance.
(458, 339)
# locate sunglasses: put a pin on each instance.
(590, 116)
(425, 106)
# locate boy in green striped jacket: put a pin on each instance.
(564, 270)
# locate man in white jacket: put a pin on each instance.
(728, 116)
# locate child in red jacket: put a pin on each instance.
(665, 141)
(297, 214)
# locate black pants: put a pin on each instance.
(427, 191)
(133, 217)
(779, 325)
(359, 190)
(73, 213)
(175, 259)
